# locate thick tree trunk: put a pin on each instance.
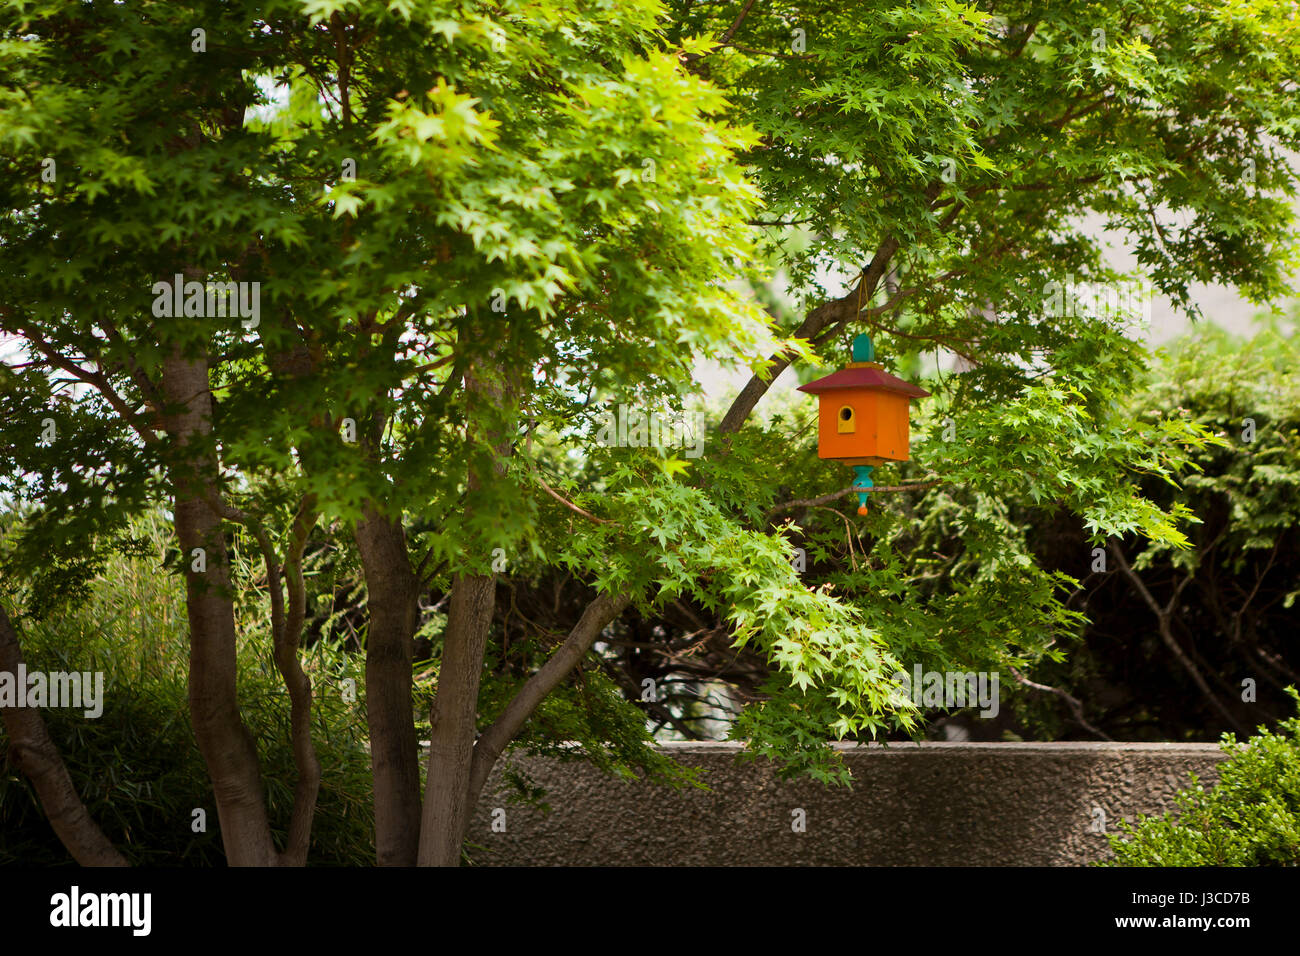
(394, 752)
(454, 721)
(490, 388)
(225, 743)
(32, 751)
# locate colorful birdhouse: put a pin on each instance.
(862, 416)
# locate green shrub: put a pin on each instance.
(137, 767)
(1251, 817)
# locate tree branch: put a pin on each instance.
(94, 379)
(731, 30)
(567, 503)
(493, 741)
(836, 495)
(1166, 635)
(1075, 706)
(286, 634)
(298, 684)
(828, 313)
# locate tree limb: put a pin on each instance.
(836, 495)
(32, 750)
(493, 741)
(828, 313)
(298, 684)
(1166, 635)
(567, 503)
(286, 634)
(731, 30)
(94, 379)
(1075, 706)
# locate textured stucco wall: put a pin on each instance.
(943, 804)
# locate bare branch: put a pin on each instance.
(828, 313)
(493, 741)
(1167, 636)
(298, 684)
(1075, 706)
(731, 30)
(567, 503)
(95, 379)
(836, 495)
(286, 634)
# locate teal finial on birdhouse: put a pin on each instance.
(864, 350)
(862, 482)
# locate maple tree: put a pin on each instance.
(472, 226)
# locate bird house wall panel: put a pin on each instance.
(877, 427)
(893, 427)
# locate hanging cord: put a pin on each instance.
(862, 473)
(862, 280)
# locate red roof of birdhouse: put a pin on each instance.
(864, 377)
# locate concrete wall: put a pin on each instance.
(942, 804)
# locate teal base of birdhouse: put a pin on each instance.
(862, 480)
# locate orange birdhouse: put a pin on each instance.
(862, 415)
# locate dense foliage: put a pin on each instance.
(137, 767)
(477, 227)
(1229, 602)
(1250, 817)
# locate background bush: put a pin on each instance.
(1251, 817)
(137, 766)
(1237, 618)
